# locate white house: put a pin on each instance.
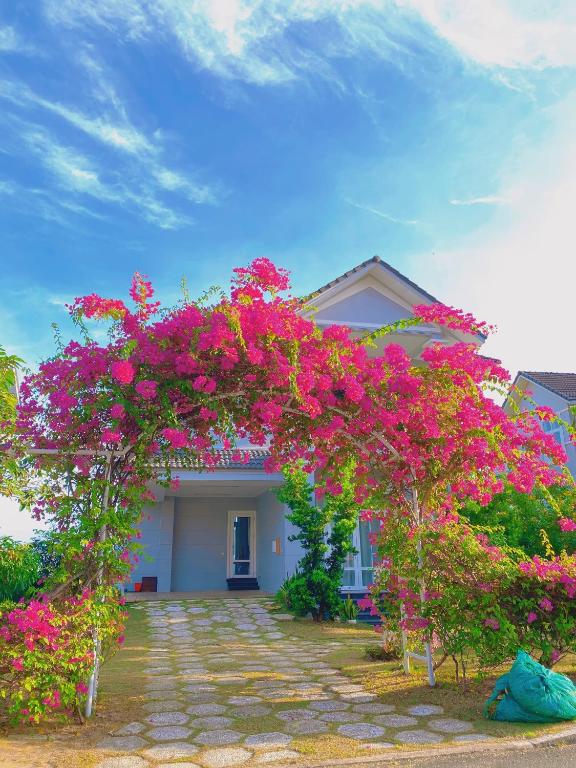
(225, 528)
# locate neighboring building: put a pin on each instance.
(225, 528)
(558, 392)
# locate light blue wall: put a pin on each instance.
(366, 306)
(560, 406)
(200, 539)
(156, 527)
(270, 524)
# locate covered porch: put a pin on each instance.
(219, 531)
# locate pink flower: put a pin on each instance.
(81, 688)
(111, 436)
(532, 616)
(147, 389)
(123, 371)
(176, 437)
(566, 524)
(18, 664)
(492, 623)
(546, 604)
(117, 411)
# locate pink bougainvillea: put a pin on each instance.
(251, 366)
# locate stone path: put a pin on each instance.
(226, 686)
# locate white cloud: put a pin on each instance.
(245, 39)
(137, 185)
(382, 214)
(11, 42)
(482, 200)
(519, 271)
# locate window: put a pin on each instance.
(359, 568)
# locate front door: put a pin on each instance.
(241, 544)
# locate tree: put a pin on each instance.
(519, 520)
(325, 534)
(249, 365)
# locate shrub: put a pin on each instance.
(19, 569)
(325, 535)
(348, 610)
(481, 599)
(517, 519)
(388, 650)
(47, 652)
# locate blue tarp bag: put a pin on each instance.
(532, 693)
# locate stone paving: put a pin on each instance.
(226, 686)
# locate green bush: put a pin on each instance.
(515, 519)
(325, 535)
(19, 569)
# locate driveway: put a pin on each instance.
(224, 684)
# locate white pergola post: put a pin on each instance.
(407, 655)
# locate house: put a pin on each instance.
(554, 390)
(225, 528)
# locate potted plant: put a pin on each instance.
(349, 611)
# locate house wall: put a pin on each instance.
(366, 306)
(544, 397)
(270, 525)
(157, 531)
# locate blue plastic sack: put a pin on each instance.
(532, 693)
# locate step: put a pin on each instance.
(242, 583)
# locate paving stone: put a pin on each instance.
(173, 751)
(244, 699)
(273, 739)
(420, 736)
(396, 721)
(221, 758)
(358, 698)
(206, 709)
(168, 718)
(450, 725)
(168, 733)
(211, 723)
(131, 729)
(130, 761)
(122, 743)
(425, 709)
(305, 727)
(341, 717)
(361, 731)
(281, 754)
(373, 708)
(218, 737)
(329, 705)
(290, 715)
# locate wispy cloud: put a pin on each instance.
(138, 186)
(11, 42)
(482, 200)
(382, 214)
(245, 39)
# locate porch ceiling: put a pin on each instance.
(223, 488)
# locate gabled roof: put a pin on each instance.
(562, 384)
(359, 267)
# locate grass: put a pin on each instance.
(58, 745)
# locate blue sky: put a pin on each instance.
(185, 137)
